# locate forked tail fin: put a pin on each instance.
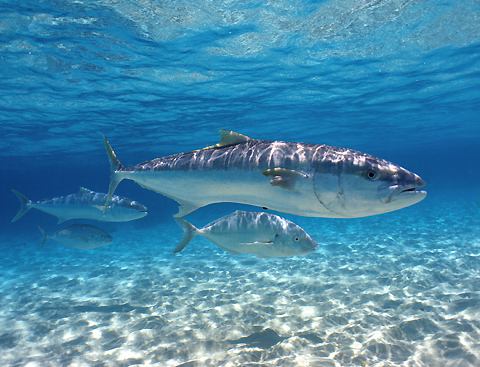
(115, 165)
(24, 205)
(189, 231)
(45, 236)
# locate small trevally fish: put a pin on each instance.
(85, 204)
(303, 179)
(79, 236)
(261, 234)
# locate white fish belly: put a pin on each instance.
(255, 243)
(72, 211)
(201, 188)
(79, 244)
(233, 238)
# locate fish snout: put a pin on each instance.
(419, 181)
(409, 179)
(139, 208)
(403, 186)
(310, 246)
(409, 182)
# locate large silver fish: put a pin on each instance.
(79, 236)
(261, 234)
(85, 204)
(303, 179)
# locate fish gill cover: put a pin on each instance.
(396, 79)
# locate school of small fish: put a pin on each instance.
(297, 178)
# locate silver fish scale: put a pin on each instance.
(86, 198)
(242, 220)
(250, 155)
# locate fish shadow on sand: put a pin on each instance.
(268, 338)
(264, 339)
(8, 340)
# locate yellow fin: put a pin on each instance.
(99, 207)
(229, 138)
(284, 178)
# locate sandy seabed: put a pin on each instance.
(400, 289)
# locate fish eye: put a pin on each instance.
(296, 239)
(373, 175)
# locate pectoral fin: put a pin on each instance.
(99, 207)
(284, 178)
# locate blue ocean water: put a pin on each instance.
(397, 79)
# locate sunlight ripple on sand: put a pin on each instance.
(390, 299)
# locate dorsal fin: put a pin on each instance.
(83, 190)
(229, 138)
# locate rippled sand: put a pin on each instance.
(394, 290)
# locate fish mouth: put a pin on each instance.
(399, 192)
(312, 249)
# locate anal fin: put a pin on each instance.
(185, 208)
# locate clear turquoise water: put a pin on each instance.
(396, 79)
